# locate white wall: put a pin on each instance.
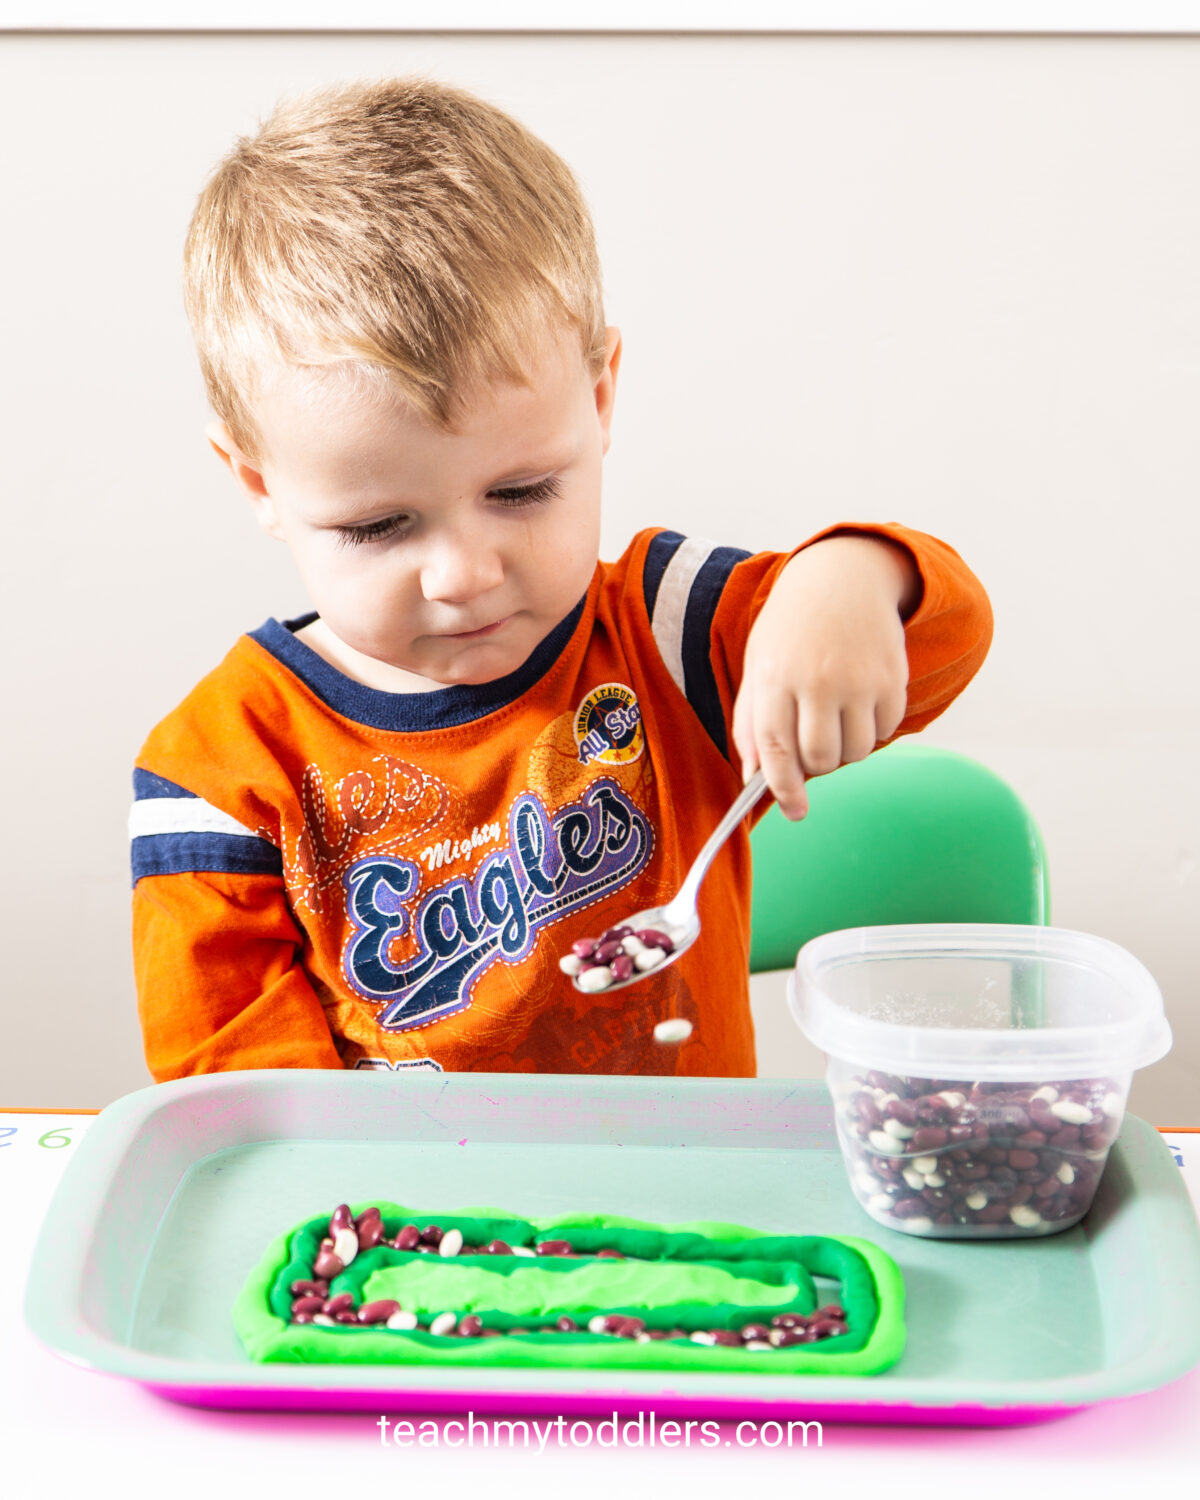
(954, 281)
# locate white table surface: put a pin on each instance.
(66, 1431)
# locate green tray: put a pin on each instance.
(176, 1191)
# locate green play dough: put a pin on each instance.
(711, 1267)
(431, 1286)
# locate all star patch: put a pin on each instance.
(608, 726)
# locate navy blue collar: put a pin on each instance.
(443, 708)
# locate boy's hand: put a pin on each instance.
(826, 674)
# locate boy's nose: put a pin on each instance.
(460, 569)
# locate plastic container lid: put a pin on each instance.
(992, 1003)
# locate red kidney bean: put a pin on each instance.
(931, 1109)
(994, 1213)
(327, 1265)
(754, 1331)
(370, 1233)
(609, 1254)
(378, 1311)
(929, 1138)
(622, 967)
(606, 952)
(305, 1317)
(471, 1327)
(615, 934)
(567, 1325)
(908, 1208)
(346, 1317)
(784, 1338)
(310, 1304)
(903, 1110)
(309, 1289)
(650, 937)
(1022, 1160)
(554, 1247)
(343, 1302)
(867, 1110)
(341, 1218)
(584, 948)
(432, 1235)
(407, 1238)
(727, 1338)
(497, 1247)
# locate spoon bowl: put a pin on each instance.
(678, 922)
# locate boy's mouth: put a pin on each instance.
(473, 635)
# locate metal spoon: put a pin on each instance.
(679, 919)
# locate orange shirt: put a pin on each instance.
(331, 876)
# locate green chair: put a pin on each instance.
(911, 834)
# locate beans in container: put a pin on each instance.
(952, 1158)
(979, 1073)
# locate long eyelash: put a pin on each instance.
(374, 531)
(530, 494)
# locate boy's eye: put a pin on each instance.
(529, 494)
(373, 531)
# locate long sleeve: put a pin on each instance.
(219, 978)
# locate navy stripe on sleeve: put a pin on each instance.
(699, 679)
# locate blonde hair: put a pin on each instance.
(401, 228)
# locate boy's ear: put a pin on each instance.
(606, 385)
(247, 475)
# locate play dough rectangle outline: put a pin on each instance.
(763, 1151)
(874, 1340)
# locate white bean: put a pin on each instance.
(599, 977)
(345, 1245)
(1071, 1113)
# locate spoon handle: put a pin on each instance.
(683, 907)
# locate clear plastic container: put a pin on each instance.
(979, 1073)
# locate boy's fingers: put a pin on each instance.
(890, 713)
(743, 731)
(777, 748)
(859, 733)
(820, 737)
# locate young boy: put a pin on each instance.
(367, 838)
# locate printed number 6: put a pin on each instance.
(50, 1143)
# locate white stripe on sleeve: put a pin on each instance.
(152, 815)
(670, 607)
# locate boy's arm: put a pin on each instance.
(220, 984)
(863, 634)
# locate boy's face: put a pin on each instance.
(445, 556)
